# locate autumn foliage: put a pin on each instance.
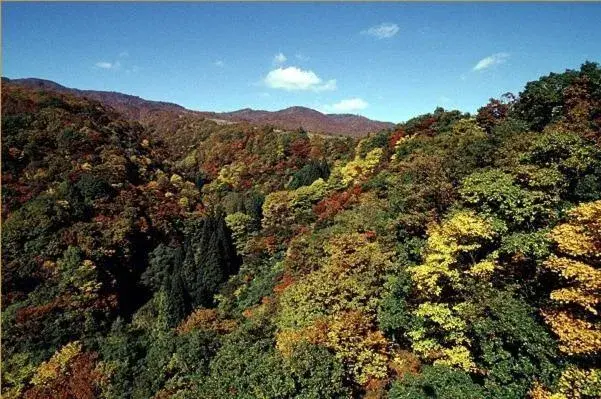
(171, 256)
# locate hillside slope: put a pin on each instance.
(293, 118)
(454, 256)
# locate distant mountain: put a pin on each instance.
(311, 120)
(142, 110)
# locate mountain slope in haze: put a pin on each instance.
(292, 118)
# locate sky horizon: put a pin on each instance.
(385, 61)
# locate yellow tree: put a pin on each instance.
(574, 383)
(575, 320)
(450, 254)
(357, 169)
(453, 257)
(578, 261)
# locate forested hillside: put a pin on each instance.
(160, 113)
(452, 256)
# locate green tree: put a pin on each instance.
(436, 382)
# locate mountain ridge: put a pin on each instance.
(291, 118)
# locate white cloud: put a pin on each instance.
(279, 58)
(383, 31)
(491, 60)
(301, 57)
(104, 65)
(348, 105)
(293, 78)
(124, 54)
(219, 63)
(108, 65)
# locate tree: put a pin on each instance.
(510, 344)
(210, 257)
(555, 96)
(458, 255)
(436, 382)
(240, 224)
(492, 114)
(496, 193)
(309, 173)
(178, 306)
(575, 318)
(542, 100)
(455, 250)
(335, 306)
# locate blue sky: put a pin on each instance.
(387, 61)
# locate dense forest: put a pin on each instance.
(452, 256)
